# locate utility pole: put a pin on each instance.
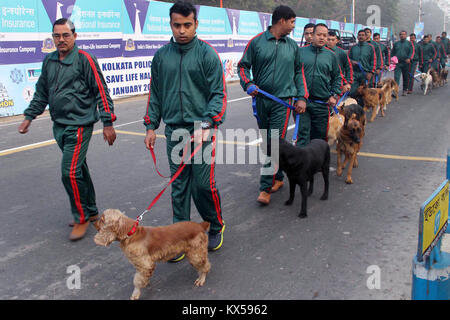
(353, 11)
(420, 10)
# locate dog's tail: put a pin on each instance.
(205, 225)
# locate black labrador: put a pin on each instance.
(300, 165)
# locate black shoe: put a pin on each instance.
(178, 258)
(215, 240)
(404, 93)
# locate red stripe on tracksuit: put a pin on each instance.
(99, 84)
(73, 180)
(304, 82)
(245, 51)
(351, 69)
(374, 59)
(212, 182)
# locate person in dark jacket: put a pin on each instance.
(324, 83)
(414, 62)
(344, 61)
(404, 51)
(442, 53)
(429, 54)
(386, 53)
(445, 42)
(364, 61)
(188, 93)
(271, 61)
(380, 61)
(72, 85)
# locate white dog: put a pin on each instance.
(427, 82)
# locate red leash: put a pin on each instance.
(174, 177)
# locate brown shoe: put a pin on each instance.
(78, 231)
(264, 198)
(91, 219)
(277, 185)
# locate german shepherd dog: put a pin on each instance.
(393, 86)
(444, 74)
(349, 140)
(300, 165)
(373, 99)
(436, 78)
(337, 121)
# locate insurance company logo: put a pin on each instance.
(48, 45)
(137, 12)
(16, 76)
(57, 9)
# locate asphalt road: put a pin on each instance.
(268, 252)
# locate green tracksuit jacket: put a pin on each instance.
(403, 50)
(322, 73)
(376, 45)
(275, 66)
(386, 54)
(443, 54)
(446, 43)
(365, 54)
(73, 88)
(186, 85)
(345, 64)
(323, 79)
(428, 52)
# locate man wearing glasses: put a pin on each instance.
(72, 84)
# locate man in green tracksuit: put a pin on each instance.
(436, 62)
(364, 61)
(414, 62)
(429, 54)
(385, 52)
(343, 59)
(442, 53)
(324, 82)
(274, 61)
(72, 84)
(380, 61)
(405, 52)
(445, 42)
(188, 93)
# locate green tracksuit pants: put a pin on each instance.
(411, 73)
(426, 67)
(74, 142)
(274, 120)
(313, 123)
(197, 180)
(402, 69)
(358, 79)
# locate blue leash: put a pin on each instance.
(252, 88)
(341, 99)
(363, 72)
